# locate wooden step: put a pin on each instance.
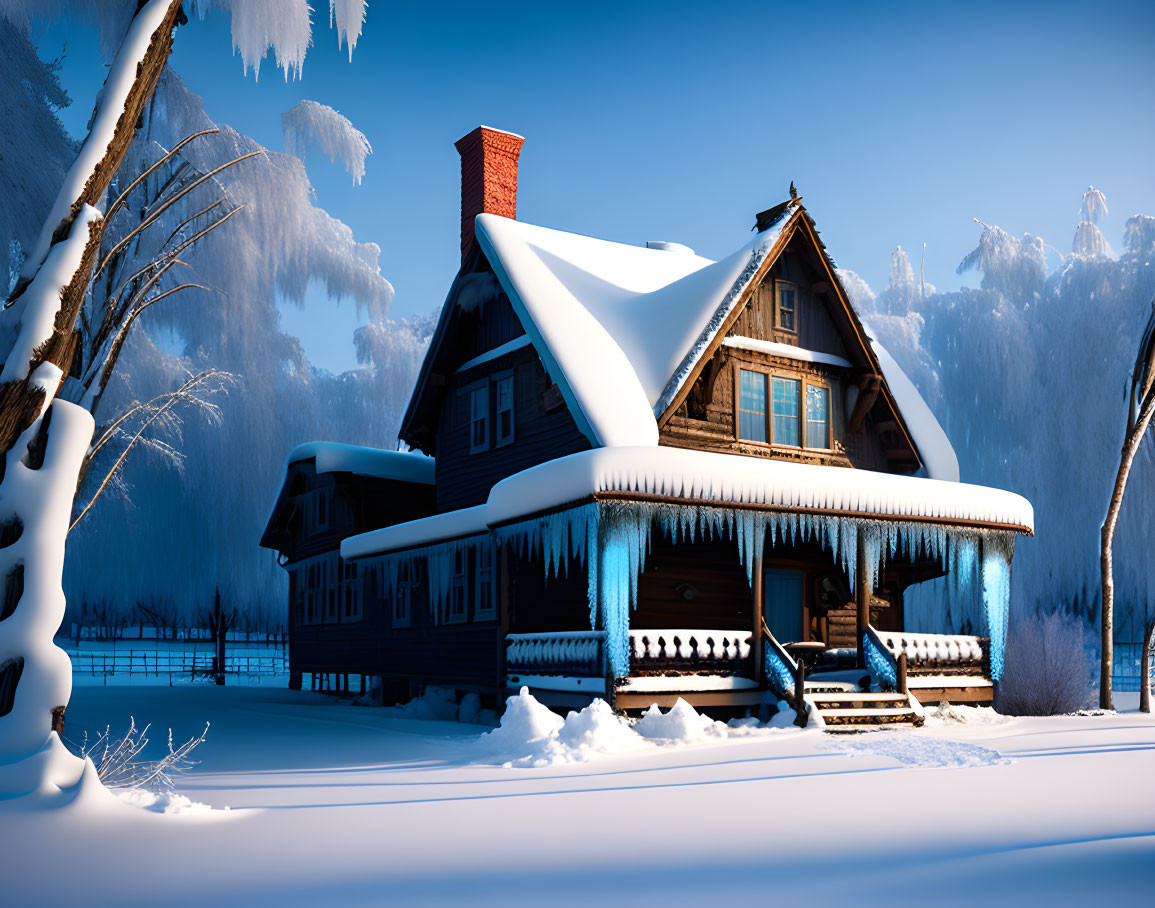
(864, 696)
(872, 712)
(865, 710)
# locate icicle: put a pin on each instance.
(996, 556)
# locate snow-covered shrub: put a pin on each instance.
(1047, 670)
(119, 764)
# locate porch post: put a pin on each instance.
(862, 593)
(756, 610)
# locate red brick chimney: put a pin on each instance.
(488, 177)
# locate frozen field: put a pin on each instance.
(336, 804)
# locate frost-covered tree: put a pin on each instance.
(58, 355)
(43, 440)
(1089, 240)
(1028, 374)
(283, 244)
(35, 151)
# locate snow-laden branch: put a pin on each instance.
(197, 392)
(349, 17)
(312, 123)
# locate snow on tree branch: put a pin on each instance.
(312, 123)
(349, 16)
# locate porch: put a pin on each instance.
(721, 668)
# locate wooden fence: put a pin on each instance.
(189, 662)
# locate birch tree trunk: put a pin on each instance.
(1106, 558)
(1145, 669)
(43, 441)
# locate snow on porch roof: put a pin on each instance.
(331, 457)
(732, 479)
(616, 325)
(702, 477)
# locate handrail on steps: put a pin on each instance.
(785, 675)
(884, 668)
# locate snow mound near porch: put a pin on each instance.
(532, 735)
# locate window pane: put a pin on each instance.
(786, 308)
(817, 417)
(752, 406)
(504, 410)
(786, 405)
(479, 419)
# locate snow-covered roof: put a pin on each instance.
(621, 328)
(427, 530)
(732, 479)
(649, 314)
(706, 477)
(331, 457)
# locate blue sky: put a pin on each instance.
(898, 122)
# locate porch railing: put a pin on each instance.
(880, 661)
(937, 653)
(695, 651)
(785, 675)
(574, 653)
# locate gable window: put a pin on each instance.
(752, 406)
(503, 411)
(483, 594)
(817, 416)
(479, 419)
(786, 311)
(785, 408)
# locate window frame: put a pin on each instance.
(800, 382)
(829, 440)
(805, 381)
(496, 381)
(402, 595)
(779, 286)
(738, 409)
(471, 392)
(484, 579)
(351, 609)
(458, 610)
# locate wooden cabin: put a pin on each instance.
(660, 476)
(332, 492)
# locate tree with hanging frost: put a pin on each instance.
(59, 345)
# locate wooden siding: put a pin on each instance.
(709, 572)
(542, 431)
(815, 329)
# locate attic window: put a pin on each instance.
(786, 310)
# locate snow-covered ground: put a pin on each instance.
(336, 804)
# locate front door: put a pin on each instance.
(783, 605)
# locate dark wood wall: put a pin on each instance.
(543, 430)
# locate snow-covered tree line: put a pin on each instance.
(164, 539)
(1029, 375)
